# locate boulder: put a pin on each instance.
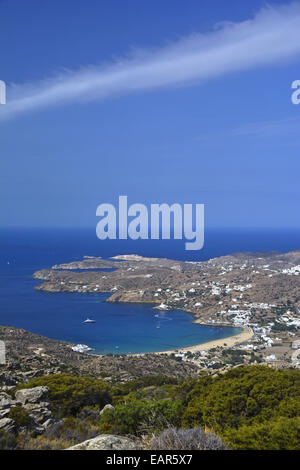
(37, 430)
(38, 412)
(107, 442)
(39, 415)
(6, 401)
(7, 425)
(36, 406)
(7, 388)
(31, 395)
(4, 413)
(107, 407)
(48, 423)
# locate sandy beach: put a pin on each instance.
(245, 335)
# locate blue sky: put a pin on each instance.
(170, 101)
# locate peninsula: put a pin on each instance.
(259, 292)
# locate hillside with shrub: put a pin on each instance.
(248, 407)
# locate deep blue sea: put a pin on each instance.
(119, 328)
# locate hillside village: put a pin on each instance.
(258, 292)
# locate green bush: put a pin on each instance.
(168, 413)
(249, 407)
(280, 434)
(19, 415)
(142, 382)
(243, 396)
(68, 394)
(138, 416)
(131, 418)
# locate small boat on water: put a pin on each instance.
(89, 320)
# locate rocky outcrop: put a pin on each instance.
(33, 402)
(5, 401)
(4, 412)
(31, 395)
(7, 425)
(38, 412)
(107, 442)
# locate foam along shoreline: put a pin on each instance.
(228, 342)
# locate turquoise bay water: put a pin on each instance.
(119, 328)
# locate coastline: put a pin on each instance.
(160, 282)
(228, 342)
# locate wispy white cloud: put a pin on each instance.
(271, 37)
(259, 129)
(268, 128)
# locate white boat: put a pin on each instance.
(82, 348)
(88, 320)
